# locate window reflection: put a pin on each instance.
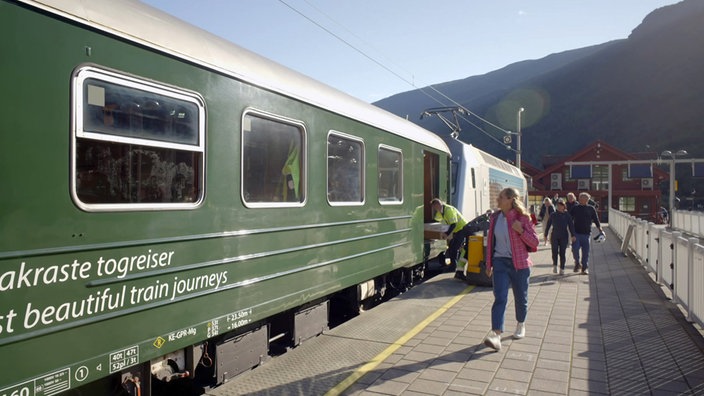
(390, 175)
(345, 169)
(135, 142)
(272, 160)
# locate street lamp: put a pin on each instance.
(518, 143)
(673, 156)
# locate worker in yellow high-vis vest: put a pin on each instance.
(457, 230)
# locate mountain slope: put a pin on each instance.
(647, 90)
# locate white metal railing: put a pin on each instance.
(665, 258)
(689, 222)
(676, 258)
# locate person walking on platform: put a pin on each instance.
(456, 233)
(571, 201)
(583, 216)
(533, 218)
(545, 211)
(562, 227)
(510, 237)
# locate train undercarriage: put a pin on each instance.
(194, 370)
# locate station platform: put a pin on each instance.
(612, 332)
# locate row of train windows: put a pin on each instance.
(140, 145)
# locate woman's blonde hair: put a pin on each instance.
(512, 193)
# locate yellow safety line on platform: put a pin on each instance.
(347, 382)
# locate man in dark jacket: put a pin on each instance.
(583, 216)
(562, 228)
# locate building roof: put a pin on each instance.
(595, 152)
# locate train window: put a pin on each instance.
(137, 145)
(273, 172)
(345, 169)
(390, 175)
(454, 174)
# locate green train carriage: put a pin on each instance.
(168, 195)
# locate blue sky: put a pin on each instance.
(372, 49)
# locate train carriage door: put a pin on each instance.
(431, 183)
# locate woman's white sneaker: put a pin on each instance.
(520, 331)
(493, 340)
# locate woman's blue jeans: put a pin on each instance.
(505, 276)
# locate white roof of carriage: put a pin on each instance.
(149, 26)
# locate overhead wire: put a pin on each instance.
(331, 19)
(344, 41)
(465, 109)
(402, 78)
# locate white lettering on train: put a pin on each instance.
(126, 265)
(195, 284)
(28, 277)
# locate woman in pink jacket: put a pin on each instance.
(511, 236)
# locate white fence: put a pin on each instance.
(689, 222)
(676, 259)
